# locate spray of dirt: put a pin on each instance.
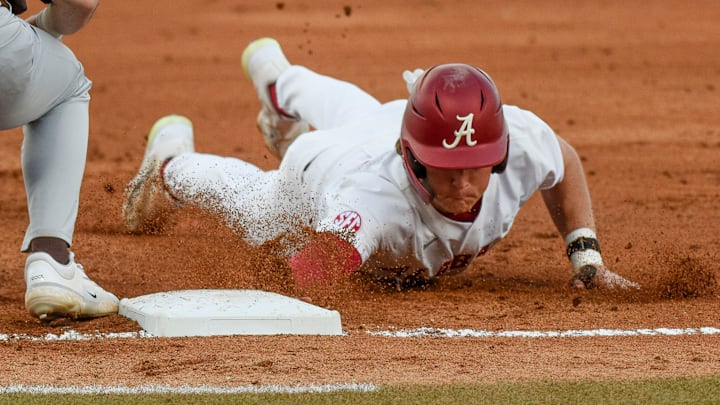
(689, 277)
(682, 273)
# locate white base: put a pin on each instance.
(228, 312)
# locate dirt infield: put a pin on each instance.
(634, 86)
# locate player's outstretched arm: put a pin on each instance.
(569, 201)
(324, 260)
(64, 17)
(570, 207)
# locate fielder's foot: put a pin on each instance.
(63, 291)
(263, 61)
(147, 201)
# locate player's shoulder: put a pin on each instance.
(380, 185)
(516, 116)
(525, 124)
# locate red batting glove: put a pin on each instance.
(324, 260)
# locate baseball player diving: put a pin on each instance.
(403, 191)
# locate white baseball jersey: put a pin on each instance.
(346, 177)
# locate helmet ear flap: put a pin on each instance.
(417, 168)
(500, 167)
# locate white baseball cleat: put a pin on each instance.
(56, 291)
(263, 61)
(146, 198)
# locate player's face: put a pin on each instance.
(457, 191)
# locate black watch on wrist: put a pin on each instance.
(582, 243)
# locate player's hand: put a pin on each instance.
(411, 77)
(591, 276)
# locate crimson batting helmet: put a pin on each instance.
(453, 120)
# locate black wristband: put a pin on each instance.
(46, 1)
(582, 243)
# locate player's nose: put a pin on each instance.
(460, 178)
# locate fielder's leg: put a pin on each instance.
(47, 91)
(53, 161)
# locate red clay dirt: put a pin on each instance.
(634, 86)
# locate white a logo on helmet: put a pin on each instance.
(466, 130)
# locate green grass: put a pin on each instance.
(652, 391)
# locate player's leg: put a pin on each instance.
(172, 175)
(263, 61)
(324, 102)
(43, 86)
(16, 64)
(38, 72)
(293, 94)
(147, 203)
(53, 161)
(52, 103)
(245, 198)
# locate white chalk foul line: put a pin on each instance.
(74, 335)
(255, 389)
(185, 389)
(407, 333)
(455, 333)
